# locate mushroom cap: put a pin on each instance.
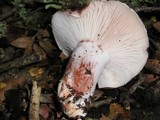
(114, 27)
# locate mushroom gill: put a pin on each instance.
(107, 45)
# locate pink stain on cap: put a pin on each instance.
(107, 43)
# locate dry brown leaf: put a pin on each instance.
(126, 115)
(62, 56)
(42, 33)
(97, 94)
(28, 51)
(22, 42)
(153, 66)
(10, 84)
(39, 50)
(36, 72)
(104, 117)
(150, 78)
(2, 85)
(47, 46)
(115, 110)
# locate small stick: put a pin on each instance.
(147, 9)
(35, 102)
(137, 84)
(102, 102)
(20, 62)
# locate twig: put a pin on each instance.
(35, 102)
(20, 62)
(8, 14)
(147, 9)
(137, 84)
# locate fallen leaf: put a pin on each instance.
(39, 50)
(62, 56)
(47, 46)
(104, 117)
(28, 51)
(10, 84)
(150, 78)
(153, 66)
(2, 85)
(36, 72)
(97, 94)
(22, 42)
(115, 110)
(42, 34)
(88, 118)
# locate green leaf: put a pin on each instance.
(56, 6)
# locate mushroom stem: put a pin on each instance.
(81, 75)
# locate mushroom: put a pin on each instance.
(107, 44)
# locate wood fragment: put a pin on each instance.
(47, 46)
(97, 94)
(147, 9)
(101, 102)
(35, 102)
(137, 84)
(39, 50)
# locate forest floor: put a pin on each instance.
(31, 66)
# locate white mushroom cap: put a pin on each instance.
(116, 28)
